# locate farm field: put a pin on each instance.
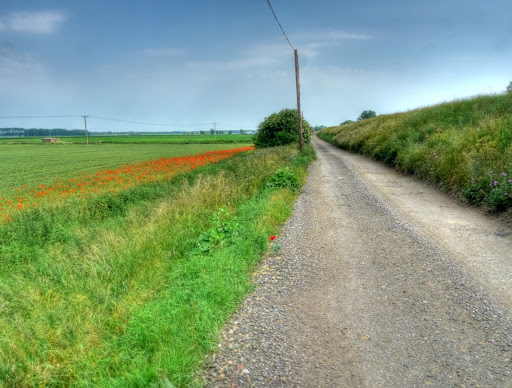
(38, 174)
(128, 139)
(131, 287)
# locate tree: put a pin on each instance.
(367, 114)
(318, 128)
(280, 129)
(509, 87)
(346, 122)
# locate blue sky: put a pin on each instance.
(181, 63)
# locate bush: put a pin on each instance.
(284, 178)
(367, 114)
(280, 129)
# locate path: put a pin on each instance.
(382, 282)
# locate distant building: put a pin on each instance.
(51, 140)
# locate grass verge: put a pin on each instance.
(465, 146)
(116, 291)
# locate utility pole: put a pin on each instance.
(215, 130)
(299, 111)
(86, 134)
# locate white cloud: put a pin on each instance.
(33, 22)
(331, 36)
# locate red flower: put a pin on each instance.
(272, 237)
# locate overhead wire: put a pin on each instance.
(144, 123)
(36, 117)
(275, 16)
(126, 121)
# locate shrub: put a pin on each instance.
(280, 129)
(284, 178)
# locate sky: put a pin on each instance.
(188, 64)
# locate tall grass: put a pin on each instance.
(463, 146)
(114, 291)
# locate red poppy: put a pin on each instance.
(272, 237)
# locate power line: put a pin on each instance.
(270, 5)
(36, 117)
(125, 121)
(143, 123)
(238, 126)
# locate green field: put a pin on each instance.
(131, 288)
(137, 139)
(25, 164)
(465, 146)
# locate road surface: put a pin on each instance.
(381, 281)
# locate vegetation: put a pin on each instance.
(119, 288)
(464, 146)
(140, 139)
(34, 165)
(347, 122)
(281, 129)
(367, 114)
(509, 87)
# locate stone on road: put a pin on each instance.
(381, 281)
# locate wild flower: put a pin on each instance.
(108, 180)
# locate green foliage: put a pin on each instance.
(281, 129)
(367, 114)
(509, 87)
(346, 122)
(33, 165)
(496, 191)
(284, 178)
(110, 291)
(454, 145)
(223, 232)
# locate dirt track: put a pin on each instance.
(381, 282)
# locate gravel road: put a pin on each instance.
(381, 281)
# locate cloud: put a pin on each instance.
(331, 36)
(162, 52)
(32, 22)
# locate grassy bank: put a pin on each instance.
(465, 146)
(129, 289)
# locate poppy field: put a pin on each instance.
(35, 176)
(113, 272)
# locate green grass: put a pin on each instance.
(465, 146)
(122, 296)
(42, 164)
(142, 139)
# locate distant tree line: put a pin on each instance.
(22, 132)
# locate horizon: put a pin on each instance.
(229, 63)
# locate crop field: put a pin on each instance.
(114, 275)
(138, 139)
(36, 175)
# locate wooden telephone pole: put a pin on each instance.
(299, 111)
(86, 134)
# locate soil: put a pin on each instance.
(380, 281)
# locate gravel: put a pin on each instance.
(361, 294)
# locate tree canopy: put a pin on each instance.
(280, 129)
(367, 114)
(346, 122)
